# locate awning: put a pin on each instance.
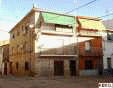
(91, 24)
(58, 19)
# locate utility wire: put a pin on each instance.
(86, 4)
(105, 15)
(97, 18)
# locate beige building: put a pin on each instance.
(4, 57)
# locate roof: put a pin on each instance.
(58, 19)
(39, 10)
(108, 24)
(4, 42)
(93, 23)
(31, 11)
(89, 17)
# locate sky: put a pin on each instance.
(11, 11)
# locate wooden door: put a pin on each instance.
(72, 67)
(58, 68)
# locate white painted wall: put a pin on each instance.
(107, 50)
(52, 41)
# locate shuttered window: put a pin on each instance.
(87, 46)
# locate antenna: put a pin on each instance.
(33, 6)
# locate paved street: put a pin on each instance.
(81, 82)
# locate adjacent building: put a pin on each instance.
(108, 47)
(55, 45)
(4, 57)
(90, 52)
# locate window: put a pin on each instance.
(39, 25)
(109, 63)
(87, 46)
(12, 36)
(26, 66)
(88, 64)
(110, 36)
(25, 29)
(48, 27)
(64, 28)
(17, 48)
(17, 66)
(18, 33)
(24, 47)
(12, 50)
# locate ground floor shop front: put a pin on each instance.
(56, 66)
(65, 66)
(68, 66)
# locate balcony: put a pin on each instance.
(94, 51)
(62, 51)
(88, 33)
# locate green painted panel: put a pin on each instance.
(58, 19)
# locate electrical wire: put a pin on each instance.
(105, 15)
(86, 4)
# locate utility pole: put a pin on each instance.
(33, 6)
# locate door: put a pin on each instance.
(72, 67)
(5, 68)
(58, 68)
(10, 66)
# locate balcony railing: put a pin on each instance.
(57, 32)
(94, 51)
(57, 51)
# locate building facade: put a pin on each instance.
(90, 45)
(108, 47)
(22, 46)
(55, 45)
(4, 57)
(50, 44)
(42, 46)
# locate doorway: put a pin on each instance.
(58, 68)
(72, 66)
(5, 68)
(10, 66)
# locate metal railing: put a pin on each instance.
(94, 51)
(57, 51)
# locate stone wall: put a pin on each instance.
(45, 67)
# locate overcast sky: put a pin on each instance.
(11, 11)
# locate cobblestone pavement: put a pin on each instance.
(76, 82)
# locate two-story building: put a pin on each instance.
(90, 52)
(55, 50)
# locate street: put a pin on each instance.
(27, 82)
